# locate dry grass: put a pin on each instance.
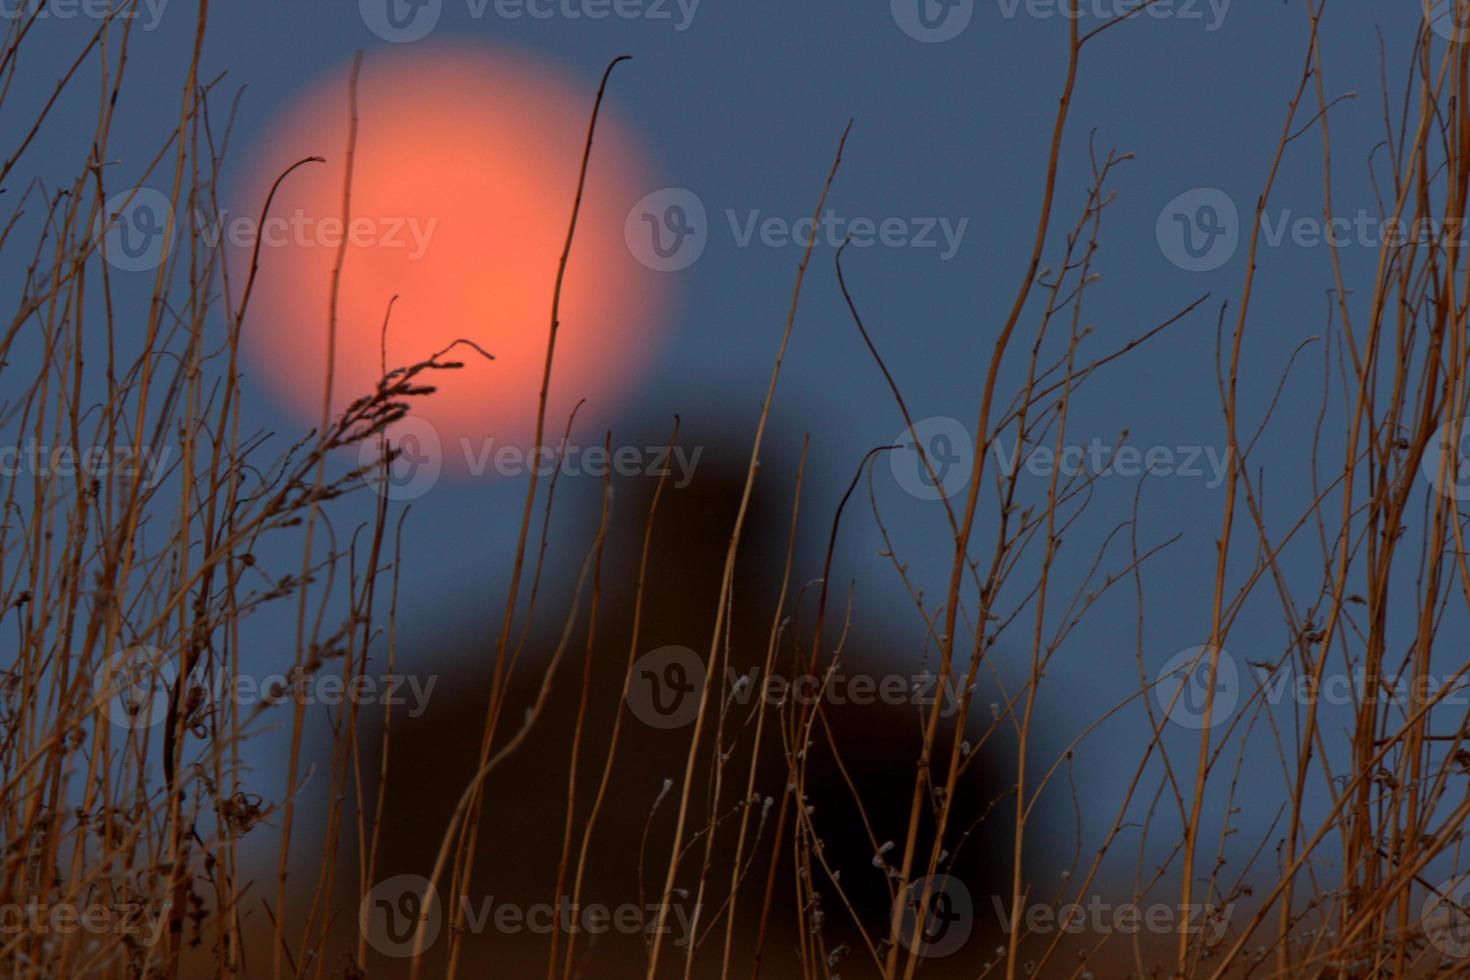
(155, 577)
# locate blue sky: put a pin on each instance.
(742, 104)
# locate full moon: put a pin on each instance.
(462, 188)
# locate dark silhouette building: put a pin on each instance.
(522, 828)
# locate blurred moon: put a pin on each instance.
(462, 188)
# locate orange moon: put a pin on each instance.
(462, 187)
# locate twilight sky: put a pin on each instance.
(735, 110)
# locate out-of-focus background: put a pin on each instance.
(732, 113)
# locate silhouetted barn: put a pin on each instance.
(521, 833)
